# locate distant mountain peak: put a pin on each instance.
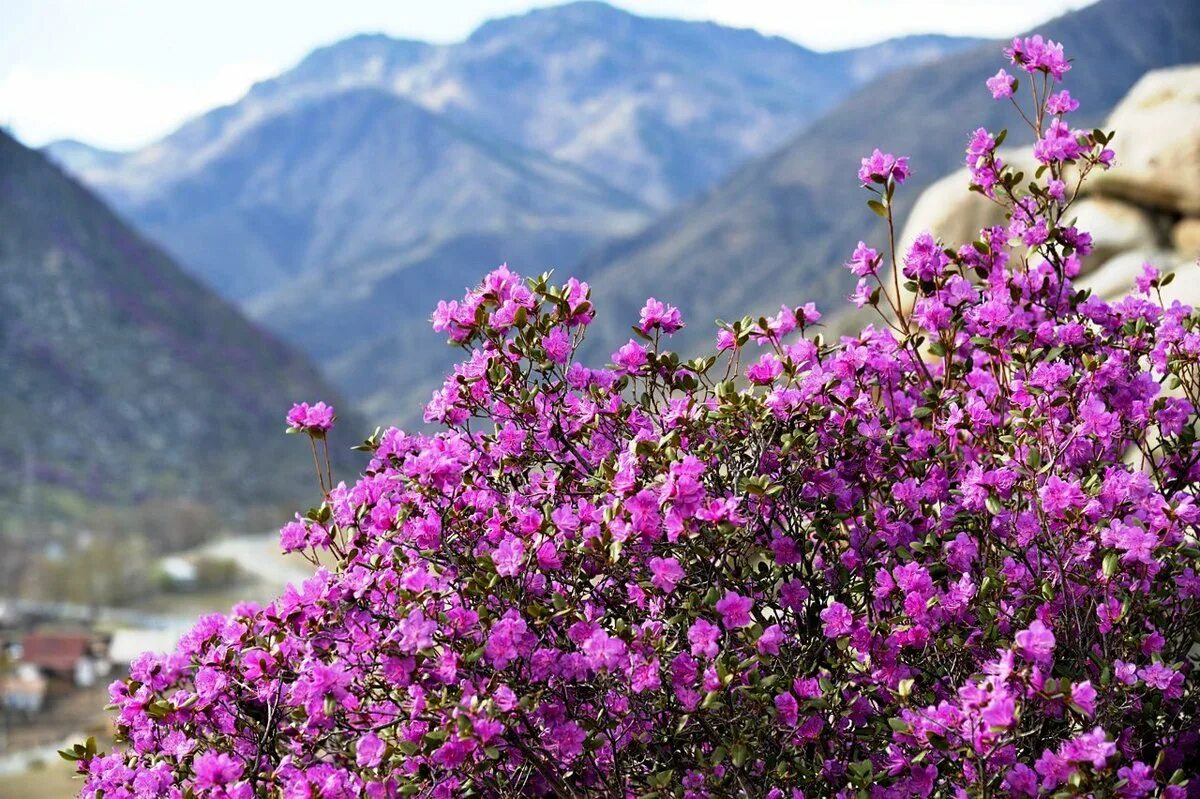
(385, 172)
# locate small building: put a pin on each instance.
(23, 691)
(66, 656)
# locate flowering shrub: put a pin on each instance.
(955, 555)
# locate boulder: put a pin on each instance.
(1185, 236)
(955, 215)
(1115, 227)
(1115, 278)
(1157, 143)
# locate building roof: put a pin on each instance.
(55, 651)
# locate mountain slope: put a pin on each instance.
(661, 108)
(125, 379)
(344, 218)
(778, 229)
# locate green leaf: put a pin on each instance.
(878, 207)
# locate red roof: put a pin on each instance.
(55, 651)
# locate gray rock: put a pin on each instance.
(1115, 227)
(1185, 236)
(1158, 142)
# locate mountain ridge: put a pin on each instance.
(807, 208)
(128, 380)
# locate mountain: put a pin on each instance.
(339, 201)
(346, 217)
(778, 230)
(125, 379)
(662, 108)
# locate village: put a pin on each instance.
(58, 658)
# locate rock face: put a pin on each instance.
(1145, 209)
(1158, 143)
(1115, 226)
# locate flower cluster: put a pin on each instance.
(317, 418)
(955, 555)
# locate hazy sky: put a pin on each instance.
(120, 73)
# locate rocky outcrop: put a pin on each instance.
(1145, 209)
(1158, 143)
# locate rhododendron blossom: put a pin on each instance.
(954, 555)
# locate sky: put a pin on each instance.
(122, 73)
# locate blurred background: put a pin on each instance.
(210, 211)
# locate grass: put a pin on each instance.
(46, 781)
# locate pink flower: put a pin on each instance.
(293, 536)
(1145, 280)
(630, 357)
(657, 314)
(1000, 712)
(509, 556)
(1001, 85)
(505, 636)
(864, 261)
(768, 643)
(1083, 695)
(1061, 103)
(1033, 54)
(880, 167)
(788, 709)
(765, 370)
(703, 636)
(735, 610)
(557, 345)
(316, 419)
(1036, 642)
(370, 750)
(667, 573)
(838, 620)
(215, 769)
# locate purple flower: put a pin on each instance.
(370, 750)
(734, 609)
(768, 643)
(509, 556)
(1036, 642)
(630, 357)
(1000, 712)
(1092, 747)
(703, 636)
(557, 345)
(316, 418)
(880, 167)
(1001, 85)
(765, 370)
(1034, 54)
(1061, 103)
(788, 709)
(864, 261)
(1145, 280)
(838, 620)
(215, 769)
(1059, 143)
(506, 635)
(657, 314)
(666, 573)
(1083, 696)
